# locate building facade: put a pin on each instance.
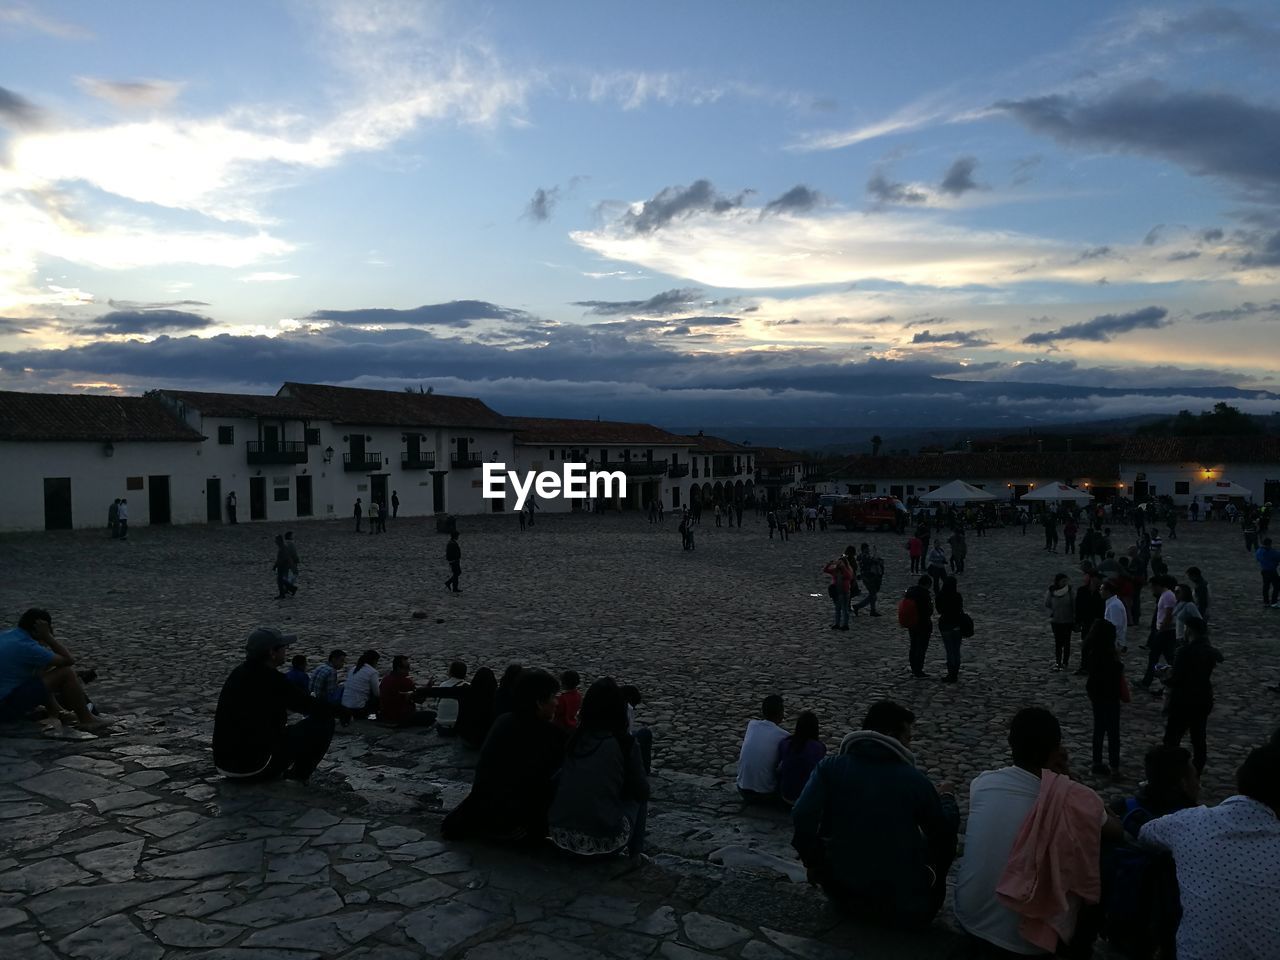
(721, 472)
(1179, 467)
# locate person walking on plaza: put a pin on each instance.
(1191, 692)
(1162, 640)
(915, 613)
(453, 554)
(871, 573)
(959, 550)
(1199, 591)
(1249, 527)
(359, 512)
(1114, 612)
(113, 518)
(383, 510)
(395, 504)
(841, 574)
(231, 507)
(952, 625)
(936, 565)
(292, 548)
(1069, 530)
(1268, 560)
(1107, 689)
(285, 570)
(1060, 603)
(122, 518)
(915, 550)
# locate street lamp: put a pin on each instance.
(328, 454)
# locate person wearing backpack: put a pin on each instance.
(871, 573)
(915, 613)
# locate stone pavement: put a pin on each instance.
(128, 844)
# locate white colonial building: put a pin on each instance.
(721, 472)
(1181, 467)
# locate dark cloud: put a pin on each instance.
(1101, 329)
(1246, 311)
(923, 322)
(154, 305)
(543, 202)
(796, 200)
(710, 321)
(883, 190)
(145, 321)
(1153, 235)
(131, 94)
(1208, 134)
(1094, 253)
(1212, 235)
(1217, 25)
(671, 203)
(959, 177)
(669, 301)
(1264, 252)
(455, 313)
(1183, 255)
(18, 111)
(14, 325)
(954, 338)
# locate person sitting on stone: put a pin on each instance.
(326, 680)
(399, 696)
(872, 830)
(1226, 859)
(476, 709)
(602, 797)
(798, 754)
(515, 775)
(361, 691)
(758, 758)
(251, 740)
(36, 670)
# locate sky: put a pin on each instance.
(721, 212)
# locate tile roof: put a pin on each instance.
(706, 444)
(1201, 450)
(393, 408)
(243, 405)
(90, 417)
(980, 466)
(534, 430)
(776, 455)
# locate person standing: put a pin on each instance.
(1069, 530)
(1268, 560)
(1114, 613)
(920, 625)
(1191, 692)
(871, 573)
(1199, 591)
(1106, 689)
(395, 504)
(453, 554)
(915, 550)
(293, 550)
(1163, 636)
(1250, 530)
(285, 570)
(231, 507)
(937, 565)
(359, 512)
(122, 517)
(113, 518)
(1061, 606)
(383, 510)
(959, 550)
(1089, 607)
(952, 621)
(841, 574)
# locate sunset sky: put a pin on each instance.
(757, 208)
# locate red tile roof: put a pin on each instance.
(706, 444)
(90, 417)
(981, 466)
(548, 430)
(243, 405)
(392, 408)
(776, 455)
(1212, 450)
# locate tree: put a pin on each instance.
(1223, 420)
(875, 445)
(427, 392)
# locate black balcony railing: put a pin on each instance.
(417, 461)
(638, 468)
(677, 470)
(281, 451)
(466, 460)
(367, 462)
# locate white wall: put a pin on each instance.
(1163, 477)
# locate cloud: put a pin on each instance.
(1179, 255)
(154, 305)
(17, 111)
(959, 177)
(23, 17)
(1246, 311)
(267, 276)
(1096, 253)
(1264, 252)
(543, 202)
(145, 321)
(1207, 134)
(671, 203)
(456, 313)
(132, 94)
(798, 199)
(15, 325)
(669, 301)
(919, 114)
(956, 338)
(1024, 170)
(885, 191)
(1102, 328)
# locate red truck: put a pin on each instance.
(867, 513)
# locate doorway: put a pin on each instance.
(57, 503)
(270, 438)
(213, 500)
(437, 491)
(158, 500)
(257, 498)
(378, 489)
(304, 496)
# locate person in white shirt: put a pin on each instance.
(122, 519)
(360, 692)
(758, 760)
(1228, 863)
(1115, 614)
(447, 708)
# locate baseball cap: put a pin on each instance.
(265, 639)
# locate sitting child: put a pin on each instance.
(570, 701)
(297, 673)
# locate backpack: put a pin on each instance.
(1139, 895)
(908, 615)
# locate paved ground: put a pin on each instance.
(127, 845)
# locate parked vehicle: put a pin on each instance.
(868, 513)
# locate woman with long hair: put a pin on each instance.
(360, 692)
(798, 754)
(475, 711)
(601, 801)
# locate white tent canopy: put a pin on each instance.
(957, 491)
(1058, 491)
(1223, 488)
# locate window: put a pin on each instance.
(226, 434)
(312, 435)
(1182, 486)
(133, 483)
(551, 454)
(281, 494)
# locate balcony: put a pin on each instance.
(678, 470)
(368, 462)
(417, 461)
(281, 451)
(637, 468)
(466, 460)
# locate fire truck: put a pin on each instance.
(867, 513)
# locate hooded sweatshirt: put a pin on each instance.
(878, 825)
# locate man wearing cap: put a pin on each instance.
(251, 740)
